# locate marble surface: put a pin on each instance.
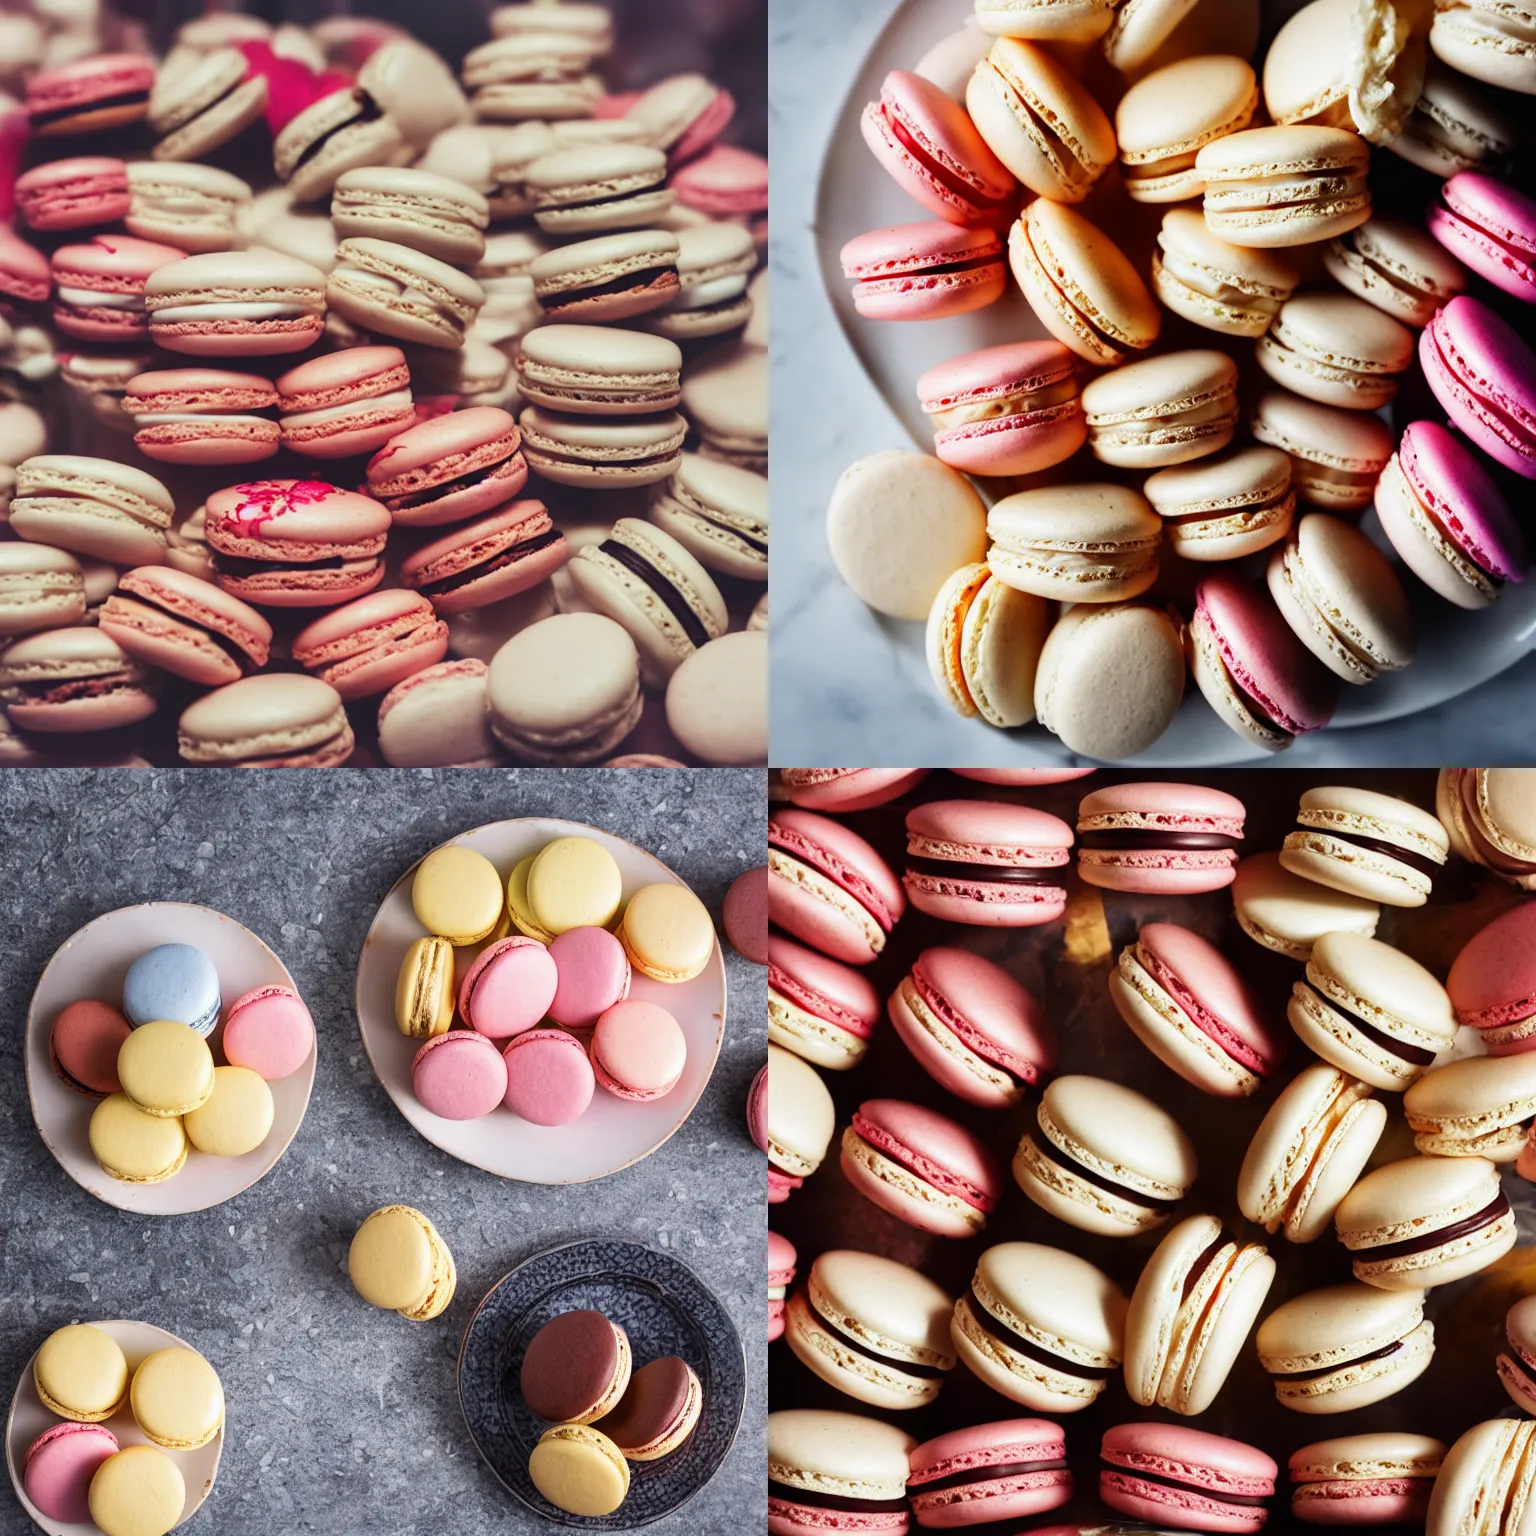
(876, 703)
(343, 1419)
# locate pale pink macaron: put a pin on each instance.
(78, 193)
(757, 1114)
(269, 1031)
(638, 1051)
(59, 1467)
(369, 646)
(1490, 227)
(1020, 778)
(849, 789)
(99, 286)
(592, 974)
(549, 1078)
(1171, 1474)
(924, 271)
(509, 988)
(1159, 838)
(829, 888)
(449, 468)
(725, 182)
(987, 1473)
(487, 560)
(202, 416)
(781, 1275)
(185, 626)
(985, 863)
(818, 1008)
(347, 402)
(459, 1076)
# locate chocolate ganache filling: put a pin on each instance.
(1496, 1208)
(911, 1367)
(677, 604)
(991, 874)
(986, 1475)
(1130, 838)
(1416, 1055)
(817, 1500)
(1032, 1351)
(1338, 1365)
(1052, 1153)
(1426, 867)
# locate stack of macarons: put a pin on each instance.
(111, 1463)
(467, 307)
(148, 1060)
(518, 990)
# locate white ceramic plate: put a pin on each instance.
(1457, 650)
(28, 1419)
(92, 963)
(612, 1134)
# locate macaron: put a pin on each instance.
(1371, 1011)
(102, 91)
(1287, 185)
(1214, 283)
(972, 1027)
(1516, 1365)
(1480, 1106)
(724, 182)
(1336, 455)
(1168, 116)
(1159, 838)
(254, 303)
(983, 640)
(667, 932)
(1007, 410)
(920, 1167)
(1425, 1221)
(1288, 914)
(1191, 1313)
(576, 1367)
(83, 1043)
(1454, 126)
(659, 1411)
(1075, 21)
(270, 1031)
(1103, 1158)
(236, 1117)
(457, 893)
(986, 863)
(874, 1329)
(177, 1399)
(1336, 349)
(95, 507)
(1162, 1472)
(425, 993)
(509, 988)
(134, 1146)
(68, 681)
(1488, 41)
(593, 188)
(274, 720)
(985, 1473)
(81, 1374)
(399, 1261)
(588, 453)
(924, 271)
(1252, 668)
(1039, 120)
(579, 1470)
(80, 192)
(829, 888)
(594, 370)
(638, 1051)
(549, 1078)
(336, 132)
(436, 718)
(725, 397)
(574, 882)
(1366, 844)
(202, 416)
(436, 215)
(487, 560)
(1483, 373)
(1486, 814)
(800, 1123)
(1495, 1452)
(781, 1275)
(714, 264)
(1379, 1478)
(1490, 984)
(1308, 1152)
(683, 114)
(1080, 284)
(608, 278)
(1163, 410)
(166, 1068)
(1140, 28)
(182, 203)
(448, 468)
(718, 513)
(744, 914)
(592, 973)
(40, 588)
(1395, 266)
(367, 646)
(138, 1492)
(100, 287)
(392, 290)
(820, 1463)
(1345, 1346)
(59, 1466)
(196, 110)
(349, 402)
(1084, 543)
(176, 982)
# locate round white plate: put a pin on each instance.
(1456, 651)
(28, 1419)
(92, 963)
(613, 1133)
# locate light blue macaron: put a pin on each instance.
(176, 982)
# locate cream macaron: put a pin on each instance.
(819, 1462)
(1336, 349)
(801, 1120)
(983, 644)
(1165, 120)
(1226, 507)
(1336, 455)
(1481, 1106)
(1223, 287)
(1163, 410)
(1088, 543)
(1288, 913)
(1366, 844)
(1496, 1453)
(1396, 266)
(1283, 185)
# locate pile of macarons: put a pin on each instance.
(455, 369)
(78, 1472)
(519, 988)
(1301, 289)
(147, 1061)
(1270, 991)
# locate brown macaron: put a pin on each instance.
(659, 1411)
(576, 1368)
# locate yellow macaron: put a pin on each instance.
(457, 894)
(138, 1492)
(580, 1470)
(518, 905)
(574, 882)
(425, 991)
(237, 1116)
(667, 932)
(177, 1398)
(398, 1261)
(133, 1146)
(166, 1068)
(81, 1373)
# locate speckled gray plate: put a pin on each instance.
(664, 1308)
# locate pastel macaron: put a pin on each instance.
(185, 626)
(347, 402)
(135, 1146)
(1366, 844)
(1219, 286)
(1516, 1364)
(101, 287)
(1397, 267)
(1159, 838)
(848, 789)
(592, 973)
(40, 588)
(1483, 373)
(983, 640)
(367, 646)
(1491, 227)
(549, 1077)
(254, 303)
(1485, 812)
(1286, 185)
(138, 1492)
(820, 1462)
(80, 192)
(924, 271)
(166, 1068)
(202, 416)
(1163, 410)
(973, 1027)
(105, 90)
(487, 560)
(1336, 455)
(638, 1051)
(509, 988)
(176, 982)
(236, 1117)
(96, 507)
(986, 863)
(800, 1122)
(398, 1261)
(1336, 349)
(579, 1470)
(1288, 914)
(177, 1398)
(448, 468)
(110, 688)
(81, 1374)
(1168, 116)
(1460, 1494)
(829, 888)
(270, 1031)
(83, 1043)
(1007, 1470)
(1479, 1106)
(271, 720)
(781, 1275)
(921, 1167)
(1162, 1473)
(59, 1466)
(817, 1007)
(1091, 542)
(1492, 983)
(1382, 1477)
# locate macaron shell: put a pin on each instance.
(969, 1454)
(549, 1080)
(59, 1466)
(509, 988)
(270, 1031)
(459, 1076)
(924, 271)
(592, 974)
(829, 888)
(1484, 376)
(638, 1051)
(1491, 226)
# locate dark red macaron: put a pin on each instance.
(576, 1368)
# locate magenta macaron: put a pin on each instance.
(185, 626)
(59, 1467)
(921, 1167)
(549, 1078)
(935, 154)
(369, 645)
(1490, 227)
(347, 402)
(509, 988)
(1008, 410)
(1484, 376)
(269, 1031)
(829, 888)
(818, 1008)
(1492, 982)
(78, 193)
(1008, 1470)
(986, 863)
(99, 287)
(972, 1027)
(459, 1075)
(489, 559)
(592, 974)
(449, 468)
(849, 789)
(1171, 1475)
(1159, 838)
(638, 1051)
(924, 271)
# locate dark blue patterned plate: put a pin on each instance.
(664, 1308)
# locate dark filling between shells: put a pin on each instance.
(498, 562)
(991, 874)
(1339, 1365)
(85, 108)
(1216, 1496)
(1052, 1153)
(815, 1500)
(986, 1475)
(1126, 838)
(1416, 861)
(1028, 1348)
(637, 565)
(1498, 1207)
(449, 487)
(1415, 1055)
(909, 1367)
(629, 282)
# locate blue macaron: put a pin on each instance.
(176, 982)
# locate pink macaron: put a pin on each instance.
(1159, 838)
(1375, 1479)
(1023, 778)
(638, 1051)
(79, 193)
(83, 1046)
(1492, 982)
(1171, 1475)
(921, 1167)
(25, 274)
(985, 863)
(757, 1114)
(781, 1275)
(924, 271)
(935, 154)
(99, 287)
(1490, 227)
(1008, 410)
(549, 1078)
(819, 1008)
(269, 1031)
(185, 626)
(489, 559)
(849, 789)
(373, 643)
(344, 403)
(1008, 1470)
(450, 468)
(1484, 376)
(509, 988)
(829, 888)
(591, 974)
(202, 416)
(105, 90)
(59, 1467)
(744, 914)
(459, 1076)
(972, 1027)
(725, 182)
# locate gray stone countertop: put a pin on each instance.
(341, 1418)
